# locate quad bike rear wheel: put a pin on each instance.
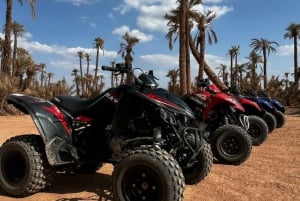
(148, 174)
(24, 168)
(270, 121)
(258, 130)
(231, 144)
(280, 119)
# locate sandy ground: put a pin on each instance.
(271, 173)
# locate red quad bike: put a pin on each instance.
(253, 108)
(138, 134)
(258, 128)
(223, 118)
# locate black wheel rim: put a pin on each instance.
(254, 131)
(231, 145)
(14, 167)
(142, 183)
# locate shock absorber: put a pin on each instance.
(157, 136)
(226, 121)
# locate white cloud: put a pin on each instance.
(80, 2)
(151, 12)
(138, 34)
(286, 50)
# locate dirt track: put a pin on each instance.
(271, 173)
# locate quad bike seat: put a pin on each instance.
(75, 105)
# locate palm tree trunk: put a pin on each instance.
(182, 46)
(6, 51)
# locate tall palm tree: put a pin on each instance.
(88, 76)
(293, 32)
(98, 45)
(6, 52)
(42, 65)
(17, 30)
(80, 54)
(75, 74)
(173, 23)
(233, 52)
(126, 51)
(265, 46)
(182, 45)
(204, 29)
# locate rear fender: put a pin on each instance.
(52, 125)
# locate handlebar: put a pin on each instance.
(120, 67)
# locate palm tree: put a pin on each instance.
(204, 29)
(293, 32)
(17, 30)
(74, 73)
(173, 75)
(23, 61)
(99, 44)
(81, 55)
(6, 52)
(233, 52)
(264, 46)
(126, 51)
(49, 75)
(223, 72)
(182, 45)
(42, 73)
(254, 60)
(173, 23)
(88, 76)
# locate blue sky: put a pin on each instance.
(63, 27)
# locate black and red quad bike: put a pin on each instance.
(193, 153)
(121, 126)
(222, 116)
(253, 108)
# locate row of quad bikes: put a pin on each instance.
(156, 141)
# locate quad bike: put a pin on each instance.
(223, 118)
(276, 103)
(138, 134)
(253, 108)
(267, 106)
(195, 155)
(258, 128)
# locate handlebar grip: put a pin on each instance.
(108, 68)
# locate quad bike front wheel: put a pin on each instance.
(231, 144)
(258, 130)
(148, 174)
(201, 168)
(24, 168)
(280, 119)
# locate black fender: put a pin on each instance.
(52, 125)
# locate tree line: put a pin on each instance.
(19, 72)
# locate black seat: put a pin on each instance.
(72, 104)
